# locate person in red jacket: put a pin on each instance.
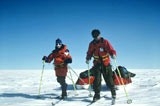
(61, 58)
(101, 50)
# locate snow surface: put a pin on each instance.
(20, 88)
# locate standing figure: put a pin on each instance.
(61, 58)
(101, 50)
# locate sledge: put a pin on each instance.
(84, 79)
(120, 81)
(125, 76)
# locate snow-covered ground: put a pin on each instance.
(21, 87)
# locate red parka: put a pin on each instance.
(100, 50)
(59, 56)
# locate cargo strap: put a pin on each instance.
(105, 57)
(59, 65)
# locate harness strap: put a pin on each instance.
(105, 57)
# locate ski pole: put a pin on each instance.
(89, 81)
(117, 77)
(72, 83)
(41, 78)
(128, 100)
(77, 75)
(71, 78)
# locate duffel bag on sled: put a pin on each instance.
(84, 79)
(124, 79)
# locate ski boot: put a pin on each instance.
(64, 95)
(113, 99)
(96, 97)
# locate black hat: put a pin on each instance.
(95, 33)
(58, 41)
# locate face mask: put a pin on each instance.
(58, 45)
(97, 38)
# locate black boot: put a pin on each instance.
(64, 95)
(113, 99)
(64, 91)
(96, 97)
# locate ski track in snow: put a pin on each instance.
(20, 88)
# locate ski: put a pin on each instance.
(54, 103)
(59, 100)
(113, 101)
(92, 102)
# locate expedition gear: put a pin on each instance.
(101, 50)
(126, 76)
(61, 57)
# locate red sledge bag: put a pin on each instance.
(118, 80)
(84, 81)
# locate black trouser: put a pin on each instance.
(62, 82)
(107, 75)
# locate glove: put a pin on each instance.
(44, 58)
(87, 61)
(68, 61)
(113, 56)
(88, 58)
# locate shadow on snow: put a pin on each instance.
(28, 96)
